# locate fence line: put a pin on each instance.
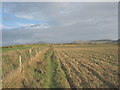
(30, 51)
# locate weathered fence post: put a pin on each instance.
(36, 51)
(20, 60)
(30, 52)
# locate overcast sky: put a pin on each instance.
(58, 22)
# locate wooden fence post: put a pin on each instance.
(30, 52)
(36, 51)
(20, 60)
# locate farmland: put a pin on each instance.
(60, 66)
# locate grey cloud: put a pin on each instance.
(60, 34)
(68, 21)
(70, 11)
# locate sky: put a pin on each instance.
(58, 22)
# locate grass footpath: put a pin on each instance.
(55, 76)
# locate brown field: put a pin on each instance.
(61, 66)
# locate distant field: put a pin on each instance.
(19, 47)
(60, 66)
